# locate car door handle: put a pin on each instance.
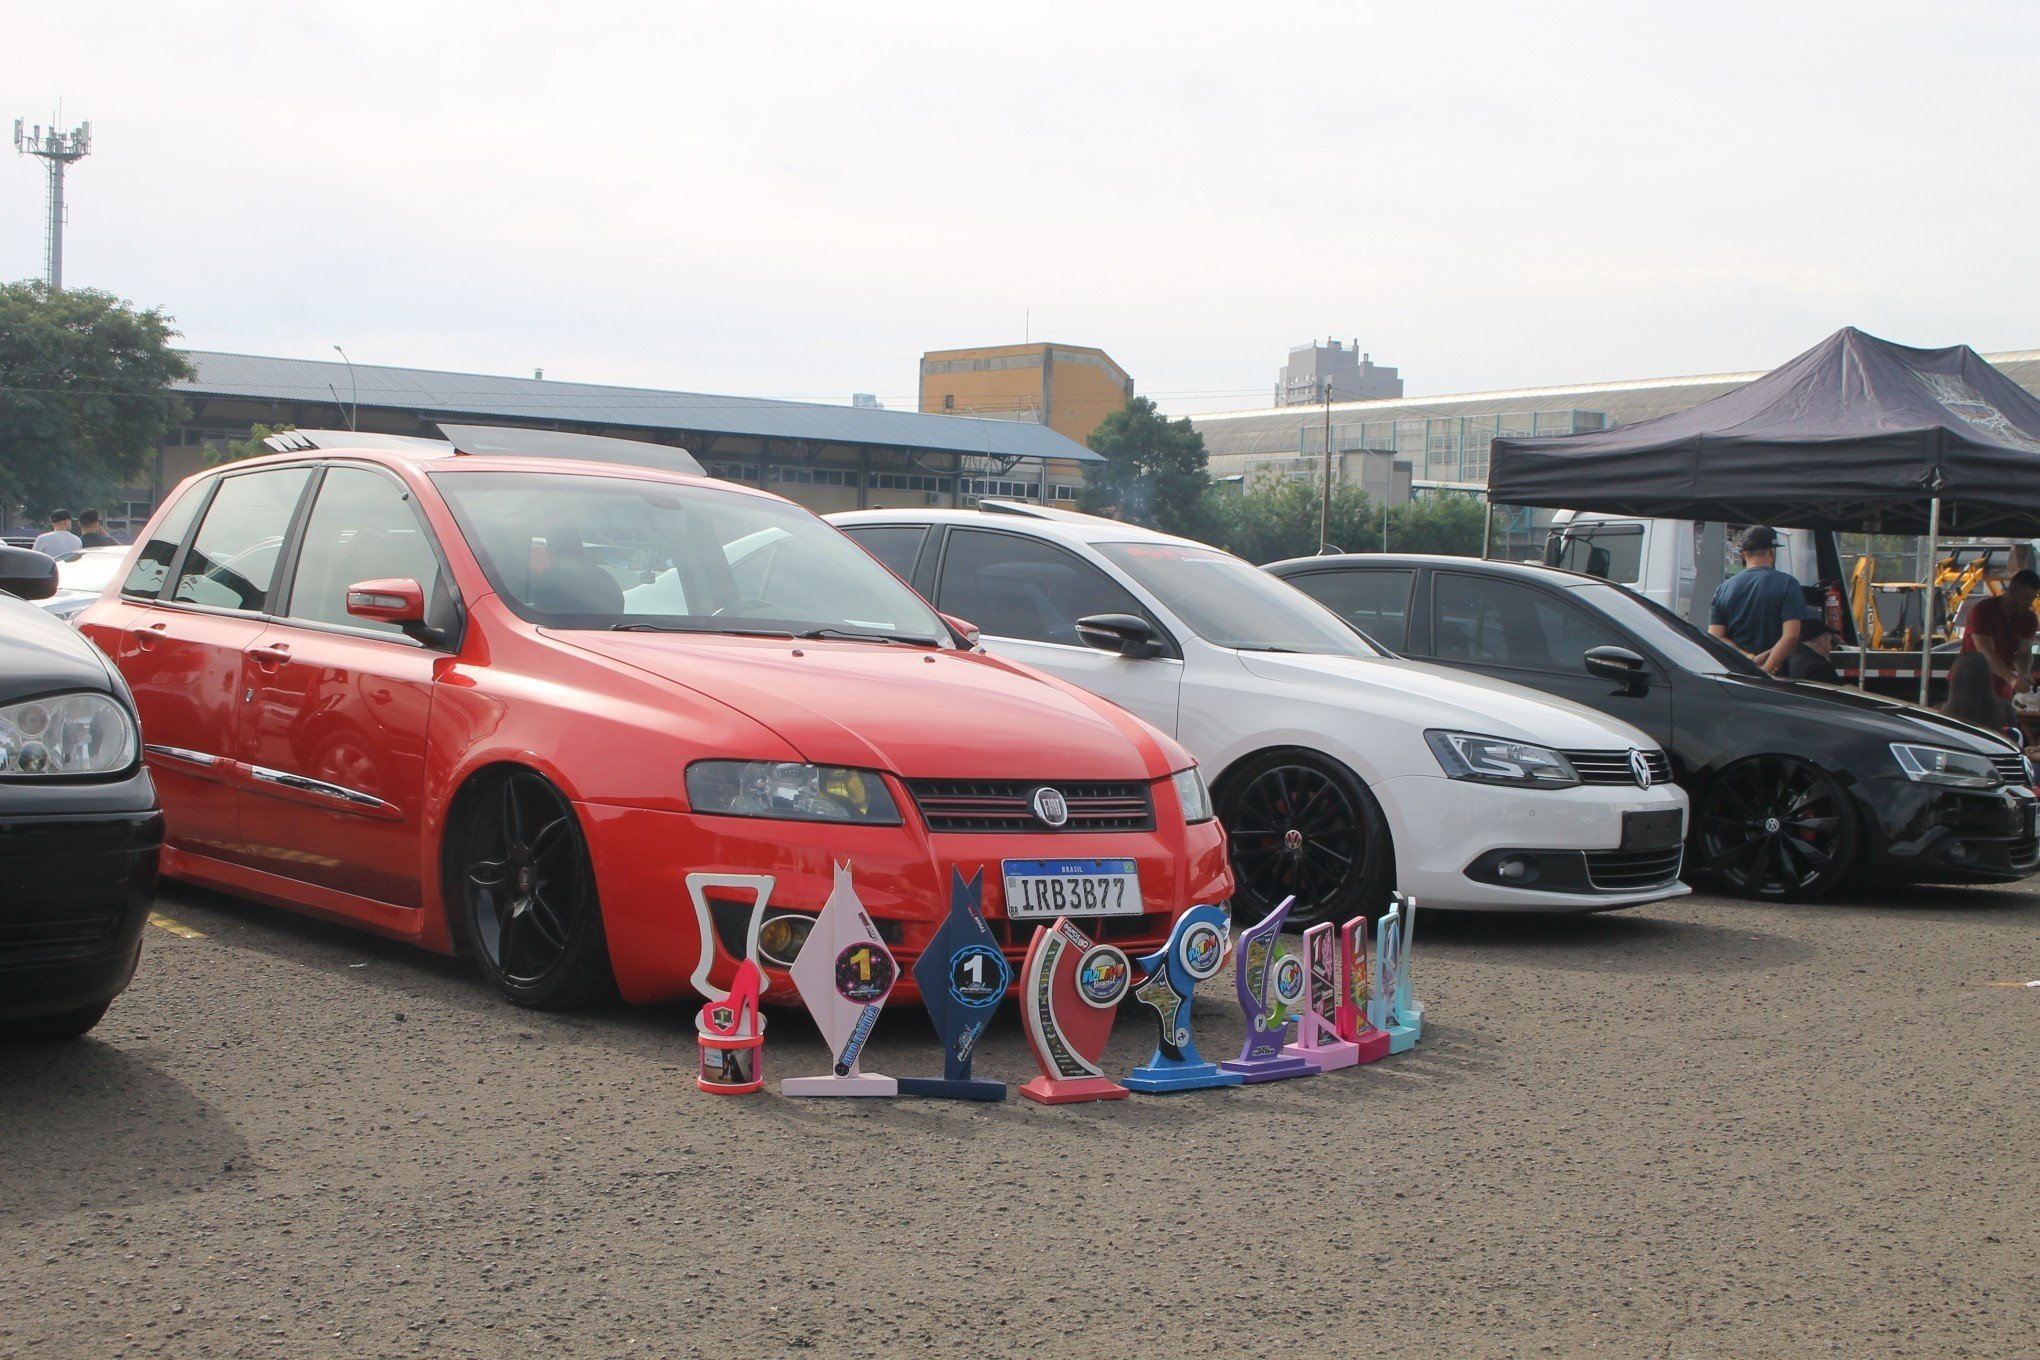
(145, 638)
(269, 658)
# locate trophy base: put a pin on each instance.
(944, 1088)
(1253, 1071)
(1157, 1078)
(1060, 1091)
(857, 1084)
(1403, 1038)
(1372, 1045)
(1329, 1056)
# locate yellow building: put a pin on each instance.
(1069, 388)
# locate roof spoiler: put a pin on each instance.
(297, 441)
(506, 440)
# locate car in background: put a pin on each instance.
(1795, 786)
(609, 727)
(79, 827)
(1340, 771)
(83, 576)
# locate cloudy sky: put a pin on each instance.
(797, 200)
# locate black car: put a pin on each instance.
(1795, 786)
(79, 825)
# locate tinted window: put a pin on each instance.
(1375, 602)
(1230, 604)
(896, 545)
(1016, 587)
(1613, 552)
(233, 559)
(1487, 621)
(361, 528)
(152, 563)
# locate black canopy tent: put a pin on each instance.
(1856, 435)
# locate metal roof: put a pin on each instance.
(432, 394)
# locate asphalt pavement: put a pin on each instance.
(1702, 1128)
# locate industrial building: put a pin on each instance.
(1347, 373)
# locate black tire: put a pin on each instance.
(521, 891)
(1302, 825)
(1775, 828)
(63, 1025)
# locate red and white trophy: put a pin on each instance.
(1069, 991)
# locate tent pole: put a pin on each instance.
(1862, 623)
(1933, 600)
(1487, 527)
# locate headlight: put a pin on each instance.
(1191, 793)
(790, 792)
(1491, 760)
(66, 734)
(1939, 765)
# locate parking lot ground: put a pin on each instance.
(1703, 1128)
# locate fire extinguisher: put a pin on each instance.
(1832, 608)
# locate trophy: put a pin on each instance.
(1317, 1025)
(962, 977)
(1354, 1015)
(1068, 990)
(1271, 984)
(730, 1032)
(844, 973)
(1392, 1008)
(1194, 952)
(708, 955)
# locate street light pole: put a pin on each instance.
(354, 390)
(1324, 524)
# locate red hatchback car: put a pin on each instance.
(607, 727)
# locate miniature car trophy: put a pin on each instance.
(1271, 987)
(1355, 1015)
(844, 973)
(1068, 991)
(730, 1032)
(962, 977)
(1317, 1025)
(1195, 951)
(1392, 1007)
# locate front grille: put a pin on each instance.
(1631, 870)
(51, 934)
(2011, 768)
(1007, 805)
(1612, 767)
(1131, 933)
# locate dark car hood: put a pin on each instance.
(40, 653)
(1900, 720)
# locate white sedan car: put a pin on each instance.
(1340, 771)
(81, 576)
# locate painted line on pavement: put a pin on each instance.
(178, 928)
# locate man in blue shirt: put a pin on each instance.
(1760, 608)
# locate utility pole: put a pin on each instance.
(1324, 523)
(58, 149)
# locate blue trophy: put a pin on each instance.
(962, 978)
(1392, 1007)
(1271, 985)
(1194, 952)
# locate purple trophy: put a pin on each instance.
(1272, 985)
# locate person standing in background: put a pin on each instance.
(58, 540)
(1760, 609)
(91, 533)
(2002, 628)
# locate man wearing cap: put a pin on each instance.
(1760, 609)
(1809, 660)
(58, 540)
(2002, 628)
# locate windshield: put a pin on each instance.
(1613, 552)
(1230, 604)
(1678, 641)
(90, 569)
(575, 551)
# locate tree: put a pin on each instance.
(1277, 517)
(1153, 473)
(1449, 522)
(234, 450)
(84, 393)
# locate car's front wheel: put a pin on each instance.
(1775, 827)
(522, 892)
(1303, 826)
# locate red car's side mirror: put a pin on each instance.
(963, 628)
(398, 600)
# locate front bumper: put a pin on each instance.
(1450, 832)
(77, 875)
(643, 859)
(1956, 835)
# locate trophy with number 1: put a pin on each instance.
(844, 973)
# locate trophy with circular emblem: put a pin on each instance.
(1394, 1010)
(844, 973)
(1271, 983)
(962, 978)
(1195, 951)
(1356, 985)
(1068, 991)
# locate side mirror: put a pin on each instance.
(1130, 635)
(1620, 665)
(964, 629)
(27, 574)
(399, 600)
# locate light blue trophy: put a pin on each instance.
(1392, 1009)
(1194, 952)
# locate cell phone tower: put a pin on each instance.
(59, 149)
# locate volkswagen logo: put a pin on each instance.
(1639, 767)
(1050, 806)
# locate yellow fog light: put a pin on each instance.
(781, 937)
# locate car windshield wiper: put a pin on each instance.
(853, 635)
(687, 628)
(1264, 647)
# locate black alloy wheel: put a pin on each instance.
(1776, 827)
(1303, 826)
(527, 907)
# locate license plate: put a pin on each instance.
(1659, 830)
(1043, 889)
